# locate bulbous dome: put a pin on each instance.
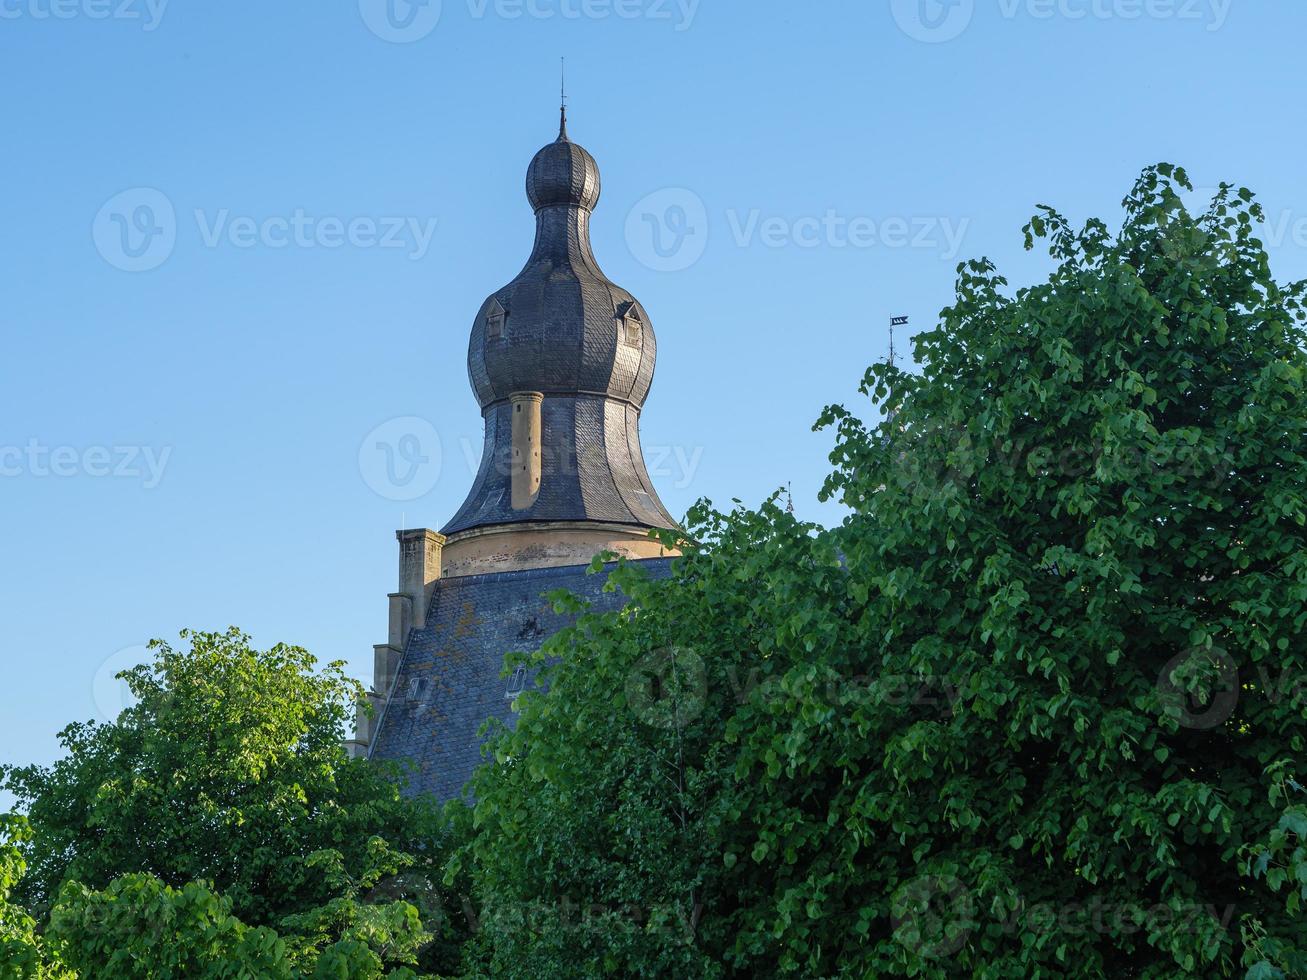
(583, 347)
(563, 173)
(562, 326)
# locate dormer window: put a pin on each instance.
(496, 322)
(516, 684)
(630, 328)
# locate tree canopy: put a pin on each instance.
(1034, 708)
(219, 821)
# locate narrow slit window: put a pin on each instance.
(516, 684)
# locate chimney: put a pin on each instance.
(526, 448)
(419, 568)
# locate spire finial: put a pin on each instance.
(562, 112)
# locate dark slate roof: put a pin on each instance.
(592, 468)
(563, 173)
(562, 335)
(449, 681)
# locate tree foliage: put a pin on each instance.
(229, 768)
(218, 820)
(141, 928)
(1030, 710)
(23, 953)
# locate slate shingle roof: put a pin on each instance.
(449, 681)
(562, 335)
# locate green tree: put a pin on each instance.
(141, 928)
(23, 953)
(1282, 860)
(367, 926)
(230, 770)
(1020, 714)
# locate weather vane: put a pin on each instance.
(895, 321)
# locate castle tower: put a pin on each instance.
(560, 360)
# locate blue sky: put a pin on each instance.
(244, 242)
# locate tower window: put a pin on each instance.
(516, 684)
(630, 329)
(496, 321)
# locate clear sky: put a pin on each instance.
(239, 240)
